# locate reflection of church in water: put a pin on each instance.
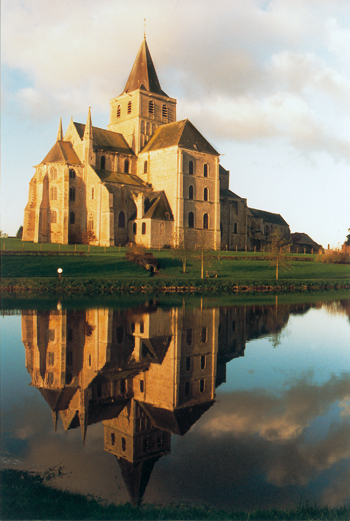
(146, 373)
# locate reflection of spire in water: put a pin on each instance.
(55, 419)
(136, 476)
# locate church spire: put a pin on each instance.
(60, 131)
(143, 73)
(88, 126)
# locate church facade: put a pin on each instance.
(149, 180)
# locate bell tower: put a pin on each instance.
(143, 106)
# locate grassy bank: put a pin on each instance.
(105, 270)
(28, 496)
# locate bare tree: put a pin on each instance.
(278, 250)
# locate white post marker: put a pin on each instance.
(59, 271)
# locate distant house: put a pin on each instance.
(302, 243)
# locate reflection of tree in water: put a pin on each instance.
(336, 307)
(145, 373)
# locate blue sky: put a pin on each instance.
(266, 82)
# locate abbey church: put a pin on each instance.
(149, 179)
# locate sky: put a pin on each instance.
(266, 82)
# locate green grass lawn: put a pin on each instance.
(112, 265)
(108, 272)
(28, 496)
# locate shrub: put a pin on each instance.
(19, 232)
(334, 257)
(145, 259)
(88, 237)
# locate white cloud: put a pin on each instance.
(272, 71)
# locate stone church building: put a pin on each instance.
(149, 179)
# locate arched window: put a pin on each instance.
(189, 336)
(71, 173)
(103, 162)
(148, 128)
(165, 112)
(153, 128)
(72, 193)
(145, 167)
(142, 127)
(53, 193)
(118, 111)
(267, 231)
(235, 228)
(121, 220)
(191, 220)
(190, 192)
(151, 107)
(161, 228)
(129, 107)
(120, 334)
(134, 228)
(53, 173)
(143, 229)
(71, 218)
(53, 217)
(205, 221)
(205, 170)
(190, 167)
(126, 166)
(205, 195)
(90, 225)
(92, 193)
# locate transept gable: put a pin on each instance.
(62, 152)
(58, 399)
(143, 73)
(182, 134)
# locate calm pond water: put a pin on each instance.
(237, 407)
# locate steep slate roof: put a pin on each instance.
(180, 420)
(113, 177)
(157, 206)
(106, 139)
(58, 399)
(227, 194)
(182, 134)
(62, 152)
(143, 73)
(154, 349)
(274, 218)
(303, 238)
